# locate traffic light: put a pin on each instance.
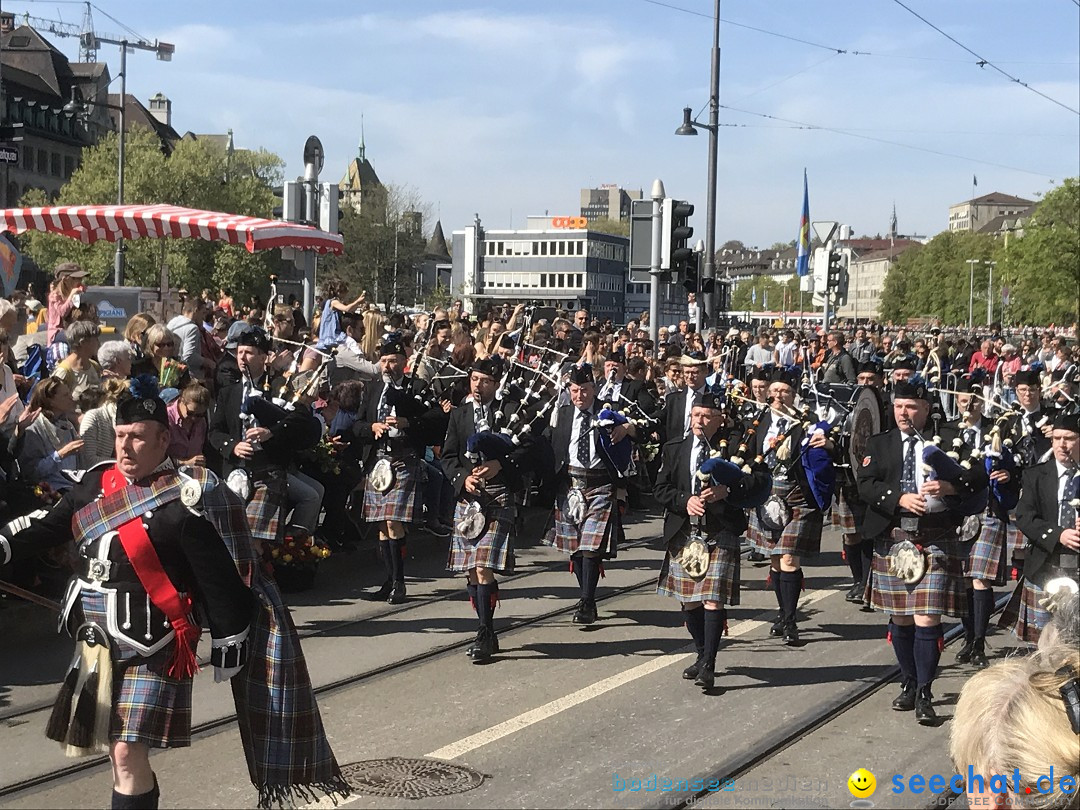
(837, 278)
(723, 300)
(675, 234)
(329, 210)
(292, 201)
(688, 271)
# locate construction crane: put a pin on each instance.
(90, 39)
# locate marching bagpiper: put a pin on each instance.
(913, 514)
(258, 439)
(788, 528)
(485, 470)
(703, 521)
(587, 523)
(988, 558)
(155, 542)
(394, 429)
(1048, 516)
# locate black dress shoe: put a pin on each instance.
(382, 594)
(905, 701)
(978, 654)
(484, 646)
(706, 677)
(924, 707)
(855, 593)
(791, 634)
(397, 595)
(756, 556)
(586, 612)
(777, 628)
(691, 672)
(963, 655)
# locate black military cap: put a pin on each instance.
(144, 404)
(710, 400)
(1030, 378)
(580, 375)
(391, 347)
(1068, 421)
(489, 366)
(869, 367)
(904, 362)
(784, 376)
(907, 389)
(256, 338)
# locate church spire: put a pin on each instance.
(892, 222)
(360, 151)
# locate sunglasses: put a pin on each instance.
(165, 344)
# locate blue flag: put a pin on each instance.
(802, 259)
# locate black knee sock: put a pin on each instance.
(982, 604)
(397, 558)
(968, 617)
(927, 648)
(714, 628)
(903, 644)
(695, 624)
(139, 801)
(790, 586)
(774, 577)
(471, 587)
(853, 554)
(866, 549)
(483, 603)
(493, 600)
(590, 575)
(575, 562)
(387, 559)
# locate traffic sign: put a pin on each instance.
(825, 229)
(9, 154)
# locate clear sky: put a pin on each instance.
(507, 109)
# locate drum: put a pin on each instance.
(866, 419)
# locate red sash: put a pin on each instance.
(144, 559)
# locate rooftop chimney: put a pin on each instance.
(161, 109)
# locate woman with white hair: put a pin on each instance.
(114, 357)
(1023, 715)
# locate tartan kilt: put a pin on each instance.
(942, 589)
(493, 549)
(849, 511)
(1031, 617)
(721, 580)
(269, 502)
(800, 537)
(404, 501)
(150, 707)
(1016, 540)
(600, 528)
(988, 559)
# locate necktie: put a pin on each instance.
(969, 437)
(1066, 511)
(907, 477)
(781, 427)
(481, 419)
(384, 405)
(702, 457)
(584, 446)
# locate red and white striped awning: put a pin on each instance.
(90, 223)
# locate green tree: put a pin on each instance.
(197, 174)
(1042, 268)
(615, 227)
(780, 296)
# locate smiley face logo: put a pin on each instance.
(862, 784)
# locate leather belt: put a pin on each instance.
(93, 569)
(911, 522)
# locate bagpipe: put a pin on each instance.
(942, 465)
(629, 409)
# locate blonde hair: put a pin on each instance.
(1011, 716)
(135, 331)
(373, 334)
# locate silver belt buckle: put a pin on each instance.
(909, 524)
(98, 570)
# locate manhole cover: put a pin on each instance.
(402, 778)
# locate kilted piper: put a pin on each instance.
(703, 521)
(258, 439)
(988, 558)
(788, 528)
(394, 432)
(484, 469)
(1047, 515)
(150, 553)
(918, 567)
(587, 522)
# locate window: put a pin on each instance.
(28, 159)
(498, 248)
(543, 279)
(69, 166)
(55, 164)
(562, 249)
(562, 279)
(42, 161)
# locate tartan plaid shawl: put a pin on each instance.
(287, 752)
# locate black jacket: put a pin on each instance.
(673, 417)
(457, 467)
(795, 434)
(879, 475)
(560, 444)
(1037, 516)
(674, 488)
(426, 426)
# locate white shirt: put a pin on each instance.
(977, 428)
(575, 433)
(691, 395)
(772, 433)
(933, 503)
(1062, 473)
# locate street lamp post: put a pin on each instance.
(990, 293)
(971, 291)
(689, 127)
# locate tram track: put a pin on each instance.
(209, 727)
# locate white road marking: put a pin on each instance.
(529, 718)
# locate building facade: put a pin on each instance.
(978, 214)
(867, 270)
(566, 268)
(607, 202)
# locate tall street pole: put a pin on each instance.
(118, 266)
(657, 194)
(971, 291)
(990, 294)
(709, 270)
